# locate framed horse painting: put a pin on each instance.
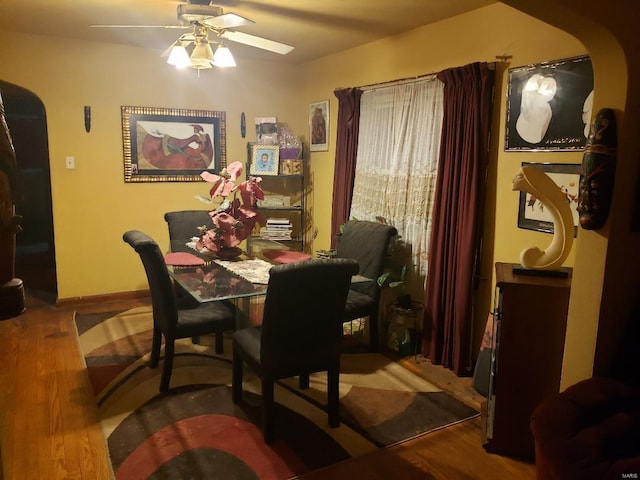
(172, 145)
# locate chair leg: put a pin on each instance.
(169, 346)
(304, 381)
(219, 343)
(236, 378)
(333, 396)
(156, 342)
(268, 410)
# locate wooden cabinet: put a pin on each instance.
(529, 326)
(282, 208)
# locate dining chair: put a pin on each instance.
(183, 225)
(301, 332)
(368, 244)
(169, 320)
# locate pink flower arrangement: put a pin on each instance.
(234, 218)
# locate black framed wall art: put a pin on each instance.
(172, 145)
(531, 212)
(549, 105)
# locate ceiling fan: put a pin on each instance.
(193, 49)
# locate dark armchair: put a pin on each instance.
(591, 431)
(367, 243)
(183, 225)
(169, 320)
(301, 332)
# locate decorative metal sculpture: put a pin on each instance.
(598, 170)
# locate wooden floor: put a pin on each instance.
(49, 429)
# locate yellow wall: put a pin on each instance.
(477, 36)
(605, 283)
(92, 206)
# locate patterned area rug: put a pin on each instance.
(195, 430)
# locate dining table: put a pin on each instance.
(209, 279)
(218, 280)
(242, 281)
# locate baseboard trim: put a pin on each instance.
(109, 297)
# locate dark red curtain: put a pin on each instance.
(457, 215)
(346, 151)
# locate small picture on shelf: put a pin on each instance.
(264, 159)
(291, 167)
(267, 130)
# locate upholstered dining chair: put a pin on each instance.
(169, 320)
(183, 225)
(367, 243)
(301, 332)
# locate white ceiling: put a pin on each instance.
(314, 27)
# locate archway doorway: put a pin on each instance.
(35, 250)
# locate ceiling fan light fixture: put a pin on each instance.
(223, 57)
(202, 53)
(179, 57)
(200, 64)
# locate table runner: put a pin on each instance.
(254, 270)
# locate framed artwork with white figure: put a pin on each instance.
(549, 105)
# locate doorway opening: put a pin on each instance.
(35, 249)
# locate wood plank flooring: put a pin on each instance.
(49, 428)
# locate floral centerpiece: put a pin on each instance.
(234, 219)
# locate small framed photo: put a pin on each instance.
(264, 159)
(532, 214)
(318, 124)
(267, 130)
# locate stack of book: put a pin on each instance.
(277, 229)
(326, 254)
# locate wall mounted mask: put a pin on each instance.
(598, 171)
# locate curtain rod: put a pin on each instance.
(399, 81)
(426, 76)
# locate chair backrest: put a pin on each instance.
(183, 225)
(165, 311)
(303, 311)
(368, 243)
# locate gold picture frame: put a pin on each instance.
(264, 159)
(172, 145)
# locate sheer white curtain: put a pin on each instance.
(397, 160)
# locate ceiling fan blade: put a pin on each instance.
(140, 26)
(227, 20)
(258, 42)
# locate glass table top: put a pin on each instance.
(213, 282)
